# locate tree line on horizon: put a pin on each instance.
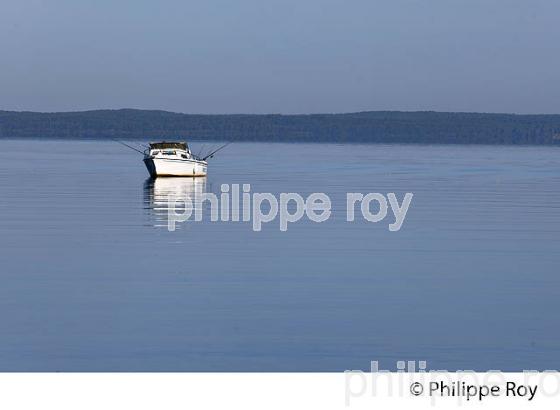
(365, 127)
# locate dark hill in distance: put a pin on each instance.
(363, 127)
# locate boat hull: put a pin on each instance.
(167, 167)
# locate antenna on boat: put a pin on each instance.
(213, 152)
(128, 146)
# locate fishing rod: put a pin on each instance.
(200, 150)
(142, 145)
(213, 152)
(126, 145)
(206, 151)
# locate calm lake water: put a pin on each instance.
(91, 279)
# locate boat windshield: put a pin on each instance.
(169, 145)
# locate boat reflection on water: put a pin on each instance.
(161, 194)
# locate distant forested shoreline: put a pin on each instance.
(362, 127)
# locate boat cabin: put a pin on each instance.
(177, 149)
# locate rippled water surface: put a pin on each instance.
(91, 279)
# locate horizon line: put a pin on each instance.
(272, 114)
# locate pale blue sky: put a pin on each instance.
(281, 56)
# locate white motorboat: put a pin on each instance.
(173, 159)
